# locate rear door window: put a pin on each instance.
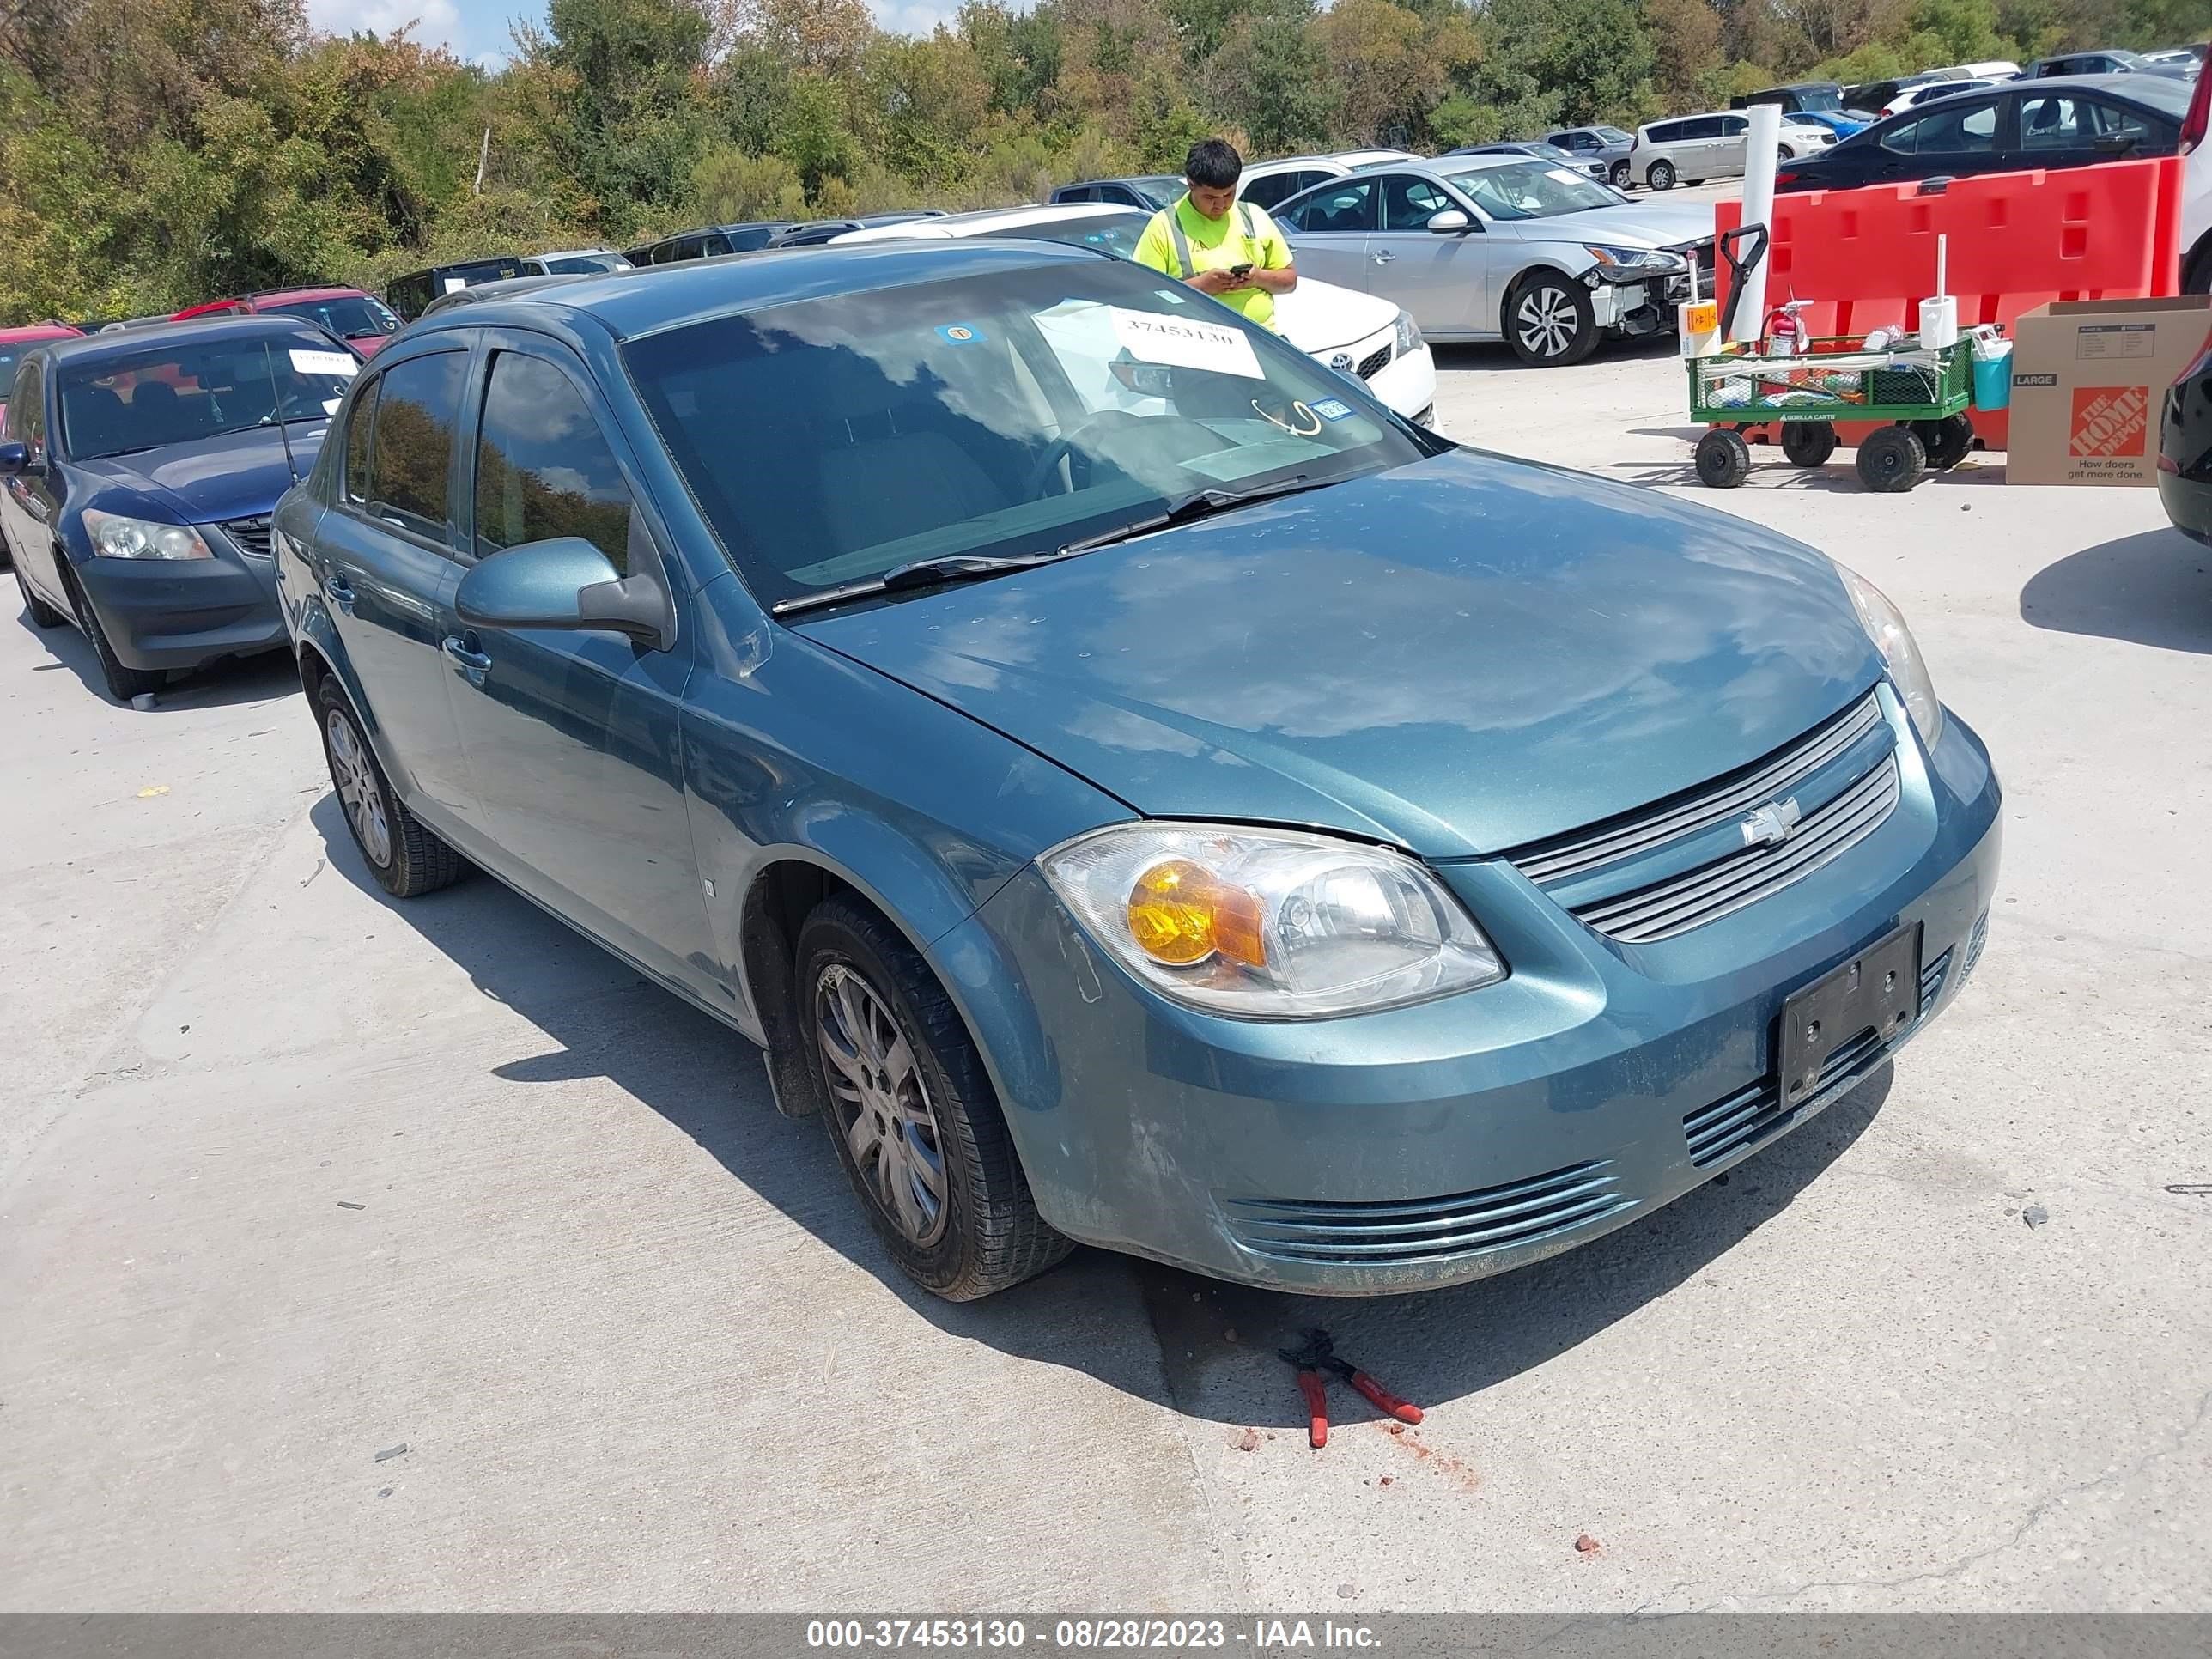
(1347, 207)
(543, 468)
(412, 443)
(358, 426)
(2052, 120)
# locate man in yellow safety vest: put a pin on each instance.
(1217, 244)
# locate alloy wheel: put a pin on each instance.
(359, 793)
(882, 1101)
(1545, 320)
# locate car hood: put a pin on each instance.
(1457, 656)
(1317, 317)
(1650, 224)
(237, 476)
(368, 344)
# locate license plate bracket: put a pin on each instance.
(1877, 990)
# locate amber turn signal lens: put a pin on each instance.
(1179, 914)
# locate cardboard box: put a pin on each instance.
(2088, 378)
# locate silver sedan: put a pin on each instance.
(1487, 247)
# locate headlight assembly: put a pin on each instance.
(1884, 626)
(115, 537)
(1409, 334)
(1269, 924)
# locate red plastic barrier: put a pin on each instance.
(2017, 240)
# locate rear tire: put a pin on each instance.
(122, 683)
(1548, 320)
(1808, 443)
(1891, 460)
(1947, 441)
(1724, 459)
(911, 1112)
(41, 614)
(1660, 175)
(405, 858)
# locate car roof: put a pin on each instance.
(633, 303)
(39, 332)
(129, 343)
(570, 253)
(328, 291)
(2161, 94)
(505, 286)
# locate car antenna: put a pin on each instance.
(277, 408)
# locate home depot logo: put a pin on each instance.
(2109, 420)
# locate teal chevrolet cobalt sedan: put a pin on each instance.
(1138, 790)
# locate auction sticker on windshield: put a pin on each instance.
(1186, 342)
(323, 362)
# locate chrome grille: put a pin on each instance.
(251, 535)
(1680, 901)
(1394, 1233)
(1753, 1115)
(1669, 908)
(1374, 363)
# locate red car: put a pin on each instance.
(361, 320)
(12, 342)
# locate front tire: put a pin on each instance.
(1808, 443)
(1724, 459)
(41, 614)
(911, 1111)
(1891, 460)
(1947, 441)
(124, 683)
(1548, 321)
(1660, 175)
(1620, 175)
(405, 858)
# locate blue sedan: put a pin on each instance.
(1137, 789)
(138, 479)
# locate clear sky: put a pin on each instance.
(478, 28)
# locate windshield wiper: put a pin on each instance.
(980, 566)
(922, 573)
(1199, 504)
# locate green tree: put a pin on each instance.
(1270, 78)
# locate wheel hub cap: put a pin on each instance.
(1546, 321)
(882, 1101)
(358, 792)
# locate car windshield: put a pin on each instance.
(351, 317)
(1004, 414)
(1161, 190)
(579, 264)
(182, 392)
(1615, 135)
(1828, 101)
(1531, 190)
(1111, 233)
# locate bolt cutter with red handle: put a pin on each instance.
(1318, 1358)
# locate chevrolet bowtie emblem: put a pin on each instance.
(1771, 824)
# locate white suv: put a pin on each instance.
(1695, 148)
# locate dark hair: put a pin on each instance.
(1214, 163)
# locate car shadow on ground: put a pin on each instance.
(223, 684)
(2154, 589)
(1216, 1344)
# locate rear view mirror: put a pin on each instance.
(1450, 221)
(564, 583)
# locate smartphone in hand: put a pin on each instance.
(1241, 271)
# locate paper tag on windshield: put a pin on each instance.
(1186, 342)
(454, 283)
(323, 362)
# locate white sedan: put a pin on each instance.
(1354, 333)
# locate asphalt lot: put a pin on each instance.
(360, 1255)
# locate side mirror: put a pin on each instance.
(1450, 222)
(14, 458)
(565, 583)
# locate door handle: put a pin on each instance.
(1383, 258)
(341, 592)
(475, 664)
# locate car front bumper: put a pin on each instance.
(177, 614)
(2184, 465)
(1490, 1129)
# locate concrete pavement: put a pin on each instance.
(292, 1177)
